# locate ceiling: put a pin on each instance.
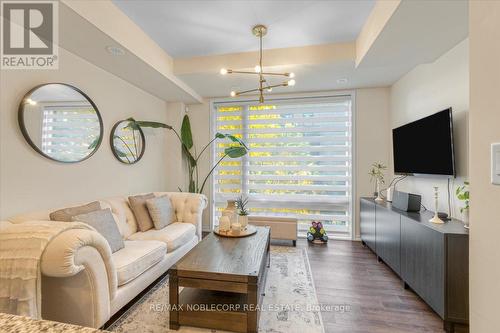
(418, 32)
(318, 77)
(175, 49)
(200, 28)
(81, 34)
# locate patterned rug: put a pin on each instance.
(290, 304)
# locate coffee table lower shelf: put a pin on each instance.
(213, 309)
(220, 283)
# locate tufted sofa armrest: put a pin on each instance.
(74, 250)
(188, 208)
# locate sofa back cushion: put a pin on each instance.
(125, 217)
(66, 214)
(104, 223)
(185, 205)
(141, 213)
(161, 211)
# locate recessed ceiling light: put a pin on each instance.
(342, 81)
(115, 50)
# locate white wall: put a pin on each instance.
(176, 169)
(425, 90)
(484, 250)
(372, 143)
(372, 119)
(30, 181)
(199, 114)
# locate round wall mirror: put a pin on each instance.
(60, 122)
(127, 142)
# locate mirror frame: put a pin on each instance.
(111, 141)
(22, 125)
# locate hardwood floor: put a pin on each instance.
(346, 273)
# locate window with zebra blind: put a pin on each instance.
(299, 163)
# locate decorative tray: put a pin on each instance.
(249, 230)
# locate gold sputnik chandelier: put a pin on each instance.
(260, 31)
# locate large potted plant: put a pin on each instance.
(236, 150)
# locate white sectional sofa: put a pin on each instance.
(84, 283)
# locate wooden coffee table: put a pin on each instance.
(223, 280)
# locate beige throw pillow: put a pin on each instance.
(161, 211)
(66, 214)
(104, 223)
(138, 206)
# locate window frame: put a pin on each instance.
(351, 235)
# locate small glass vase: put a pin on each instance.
(230, 211)
(378, 198)
(466, 218)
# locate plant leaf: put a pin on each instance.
(232, 138)
(235, 152)
(191, 186)
(119, 152)
(135, 124)
(94, 143)
(132, 124)
(191, 159)
(186, 135)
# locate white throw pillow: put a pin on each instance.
(161, 211)
(103, 221)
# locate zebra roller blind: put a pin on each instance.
(68, 130)
(299, 163)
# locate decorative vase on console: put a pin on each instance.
(462, 194)
(376, 174)
(466, 218)
(241, 204)
(378, 198)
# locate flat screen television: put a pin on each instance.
(425, 146)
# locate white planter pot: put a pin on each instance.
(243, 220)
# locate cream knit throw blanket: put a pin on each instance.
(21, 248)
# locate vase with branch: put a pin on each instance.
(236, 149)
(376, 174)
(462, 194)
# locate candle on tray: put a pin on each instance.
(236, 228)
(224, 223)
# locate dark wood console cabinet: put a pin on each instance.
(431, 259)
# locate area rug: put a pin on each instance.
(290, 304)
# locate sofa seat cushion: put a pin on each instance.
(137, 257)
(174, 235)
